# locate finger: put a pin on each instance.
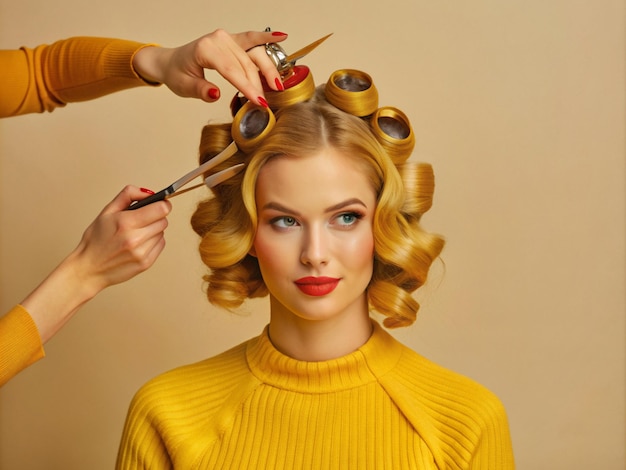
(139, 260)
(257, 60)
(220, 52)
(238, 68)
(138, 218)
(249, 39)
(154, 249)
(126, 197)
(140, 236)
(139, 243)
(132, 194)
(205, 90)
(267, 68)
(152, 216)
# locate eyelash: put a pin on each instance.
(279, 222)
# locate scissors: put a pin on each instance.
(283, 63)
(210, 181)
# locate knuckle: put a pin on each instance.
(220, 34)
(128, 189)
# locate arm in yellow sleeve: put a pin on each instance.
(70, 70)
(84, 68)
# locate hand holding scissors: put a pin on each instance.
(210, 181)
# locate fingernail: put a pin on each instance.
(278, 33)
(146, 190)
(263, 102)
(279, 84)
(214, 93)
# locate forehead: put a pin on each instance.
(327, 176)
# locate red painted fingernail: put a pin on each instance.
(278, 33)
(146, 190)
(214, 93)
(279, 84)
(263, 102)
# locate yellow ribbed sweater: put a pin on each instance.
(382, 407)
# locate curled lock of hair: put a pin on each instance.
(419, 187)
(404, 250)
(225, 231)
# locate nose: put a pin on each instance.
(315, 247)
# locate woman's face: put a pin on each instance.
(314, 240)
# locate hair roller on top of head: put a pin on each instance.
(393, 130)
(352, 91)
(299, 86)
(250, 126)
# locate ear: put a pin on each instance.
(252, 251)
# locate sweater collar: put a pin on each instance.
(377, 356)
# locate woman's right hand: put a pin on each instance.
(118, 245)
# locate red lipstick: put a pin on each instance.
(317, 286)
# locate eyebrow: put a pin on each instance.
(348, 202)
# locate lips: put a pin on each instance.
(317, 286)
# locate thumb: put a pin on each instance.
(205, 90)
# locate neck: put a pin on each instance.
(319, 340)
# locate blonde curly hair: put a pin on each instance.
(226, 222)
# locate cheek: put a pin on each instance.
(268, 252)
(360, 251)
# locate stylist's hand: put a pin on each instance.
(118, 245)
(234, 56)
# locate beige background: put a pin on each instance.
(518, 105)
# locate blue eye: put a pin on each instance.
(348, 218)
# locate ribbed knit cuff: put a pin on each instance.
(118, 59)
(20, 343)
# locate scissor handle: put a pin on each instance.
(160, 196)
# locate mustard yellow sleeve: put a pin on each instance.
(70, 70)
(20, 343)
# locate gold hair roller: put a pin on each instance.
(352, 91)
(250, 125)
(299, 86)
(393, 130)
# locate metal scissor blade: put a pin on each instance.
(221, 176)
(172, 189)
(214, 179)
(216, 160)
(292, 58)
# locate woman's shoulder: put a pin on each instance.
(432, 374)
(214, 377)
(443, 393)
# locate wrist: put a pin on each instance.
(59, 297)
(147, 64)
